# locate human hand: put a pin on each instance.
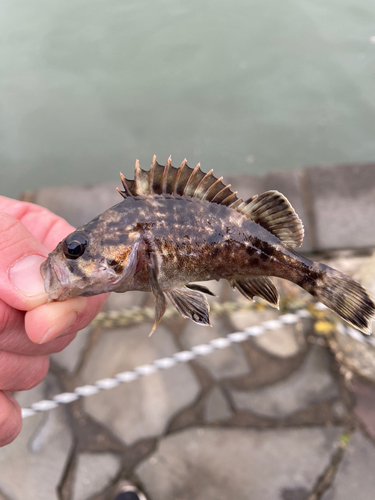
(30, 329)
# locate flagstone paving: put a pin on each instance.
(238, 463)
(311, 383)
(275, 417)
(94, 471)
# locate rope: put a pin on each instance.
(116, 319)
(163, 363)
(137, 315)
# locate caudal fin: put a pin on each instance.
(346, 297)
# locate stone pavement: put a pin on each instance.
(275, 417)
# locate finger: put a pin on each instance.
(13, 337)
(21, 255)
(10, 419)
(56, 318)
(21, 344)
(44, 225)
(19, 372)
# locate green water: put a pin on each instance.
(86, 87)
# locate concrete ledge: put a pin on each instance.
(343, 205)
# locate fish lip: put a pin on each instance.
(55, 281)
(44, 271)
(61, 274)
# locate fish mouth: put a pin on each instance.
(56, 281)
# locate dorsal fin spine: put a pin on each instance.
(122, 194)
(219, 193)
(225, 201)
(236, 204)
(137, 169)
(164, 178)
(151, 174)
(125, 184)
(178, 176)
(202, 181)
(190, 180)
(211, 187)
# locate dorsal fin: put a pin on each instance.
(271, 209)
(274, 212)
(183, 181)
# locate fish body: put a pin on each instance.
(193, 241)
(178, 226)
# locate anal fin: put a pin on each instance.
(190, 304)
(258, 286)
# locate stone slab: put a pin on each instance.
(364, 404)
(355, 476)
(217, 407)
(94, 471)
(359, 267)
(243, 464)
(33, 465)
(141, 408)
(343, 204)
(283, 342)
(246, 185)
(311, 383)
(359, 356)
(222, 363)
(244, 319)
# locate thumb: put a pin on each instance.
(21, 255)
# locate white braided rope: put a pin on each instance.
(163, 363)
(179, 357)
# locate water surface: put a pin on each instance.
(86, 87)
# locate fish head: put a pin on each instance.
(94, 259)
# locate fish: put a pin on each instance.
(178, 227)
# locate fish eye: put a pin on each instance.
(74, 245)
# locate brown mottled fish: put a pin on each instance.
(176, 226)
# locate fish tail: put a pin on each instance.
(345, 296)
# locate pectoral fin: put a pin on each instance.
(257, 286)
(190, 304)
(160, 300)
